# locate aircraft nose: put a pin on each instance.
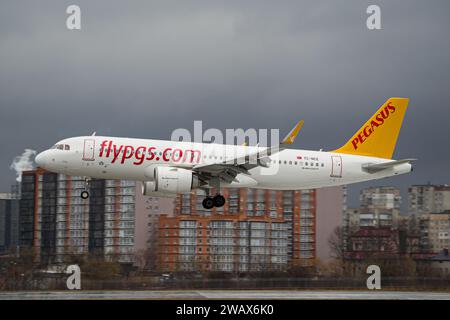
(41, 159)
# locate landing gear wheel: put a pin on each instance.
(219, 200)
(208, 203)
(84, 195)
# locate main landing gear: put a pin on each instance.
(217, 201)
(85, 193)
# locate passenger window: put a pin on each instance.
(290, 162)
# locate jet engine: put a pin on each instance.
(170, 181)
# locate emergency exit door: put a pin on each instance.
(88, 150)
(336, 166)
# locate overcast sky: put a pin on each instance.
(145, 68)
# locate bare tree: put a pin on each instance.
(336, 243)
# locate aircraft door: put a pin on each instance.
(88, 150)
(336, 166)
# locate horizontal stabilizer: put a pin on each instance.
(375, 167)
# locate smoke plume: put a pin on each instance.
(22, 163)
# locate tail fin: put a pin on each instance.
(378, 136)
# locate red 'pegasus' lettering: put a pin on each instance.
(391, 108)
(377, 121)
(367, 131)
(355, 142)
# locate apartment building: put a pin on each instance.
(380, 207)
(428, 198)
(58, 224)
(9, 221)
(435, 231)
(256, 230)
(331, 206)
(146, 234)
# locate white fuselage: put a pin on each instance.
(135, 159)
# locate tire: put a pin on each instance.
(84, 195)
(219, 200)
(208, 203)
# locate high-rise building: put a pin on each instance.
(146, 234)
(57, 223)
(380, 207)
(428, 199)
(352, 219)
(331, 205)
(435, 231)
(256, 230)
(9, 221)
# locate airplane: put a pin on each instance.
(167, 168)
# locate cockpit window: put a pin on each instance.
(61, 147)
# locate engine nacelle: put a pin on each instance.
(170, 181)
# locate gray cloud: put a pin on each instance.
(144, 68)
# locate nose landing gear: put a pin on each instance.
(85, 193)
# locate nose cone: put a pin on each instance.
(42, 159)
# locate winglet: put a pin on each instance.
(289, 139)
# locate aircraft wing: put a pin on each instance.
(229, 169)
(372, 168)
